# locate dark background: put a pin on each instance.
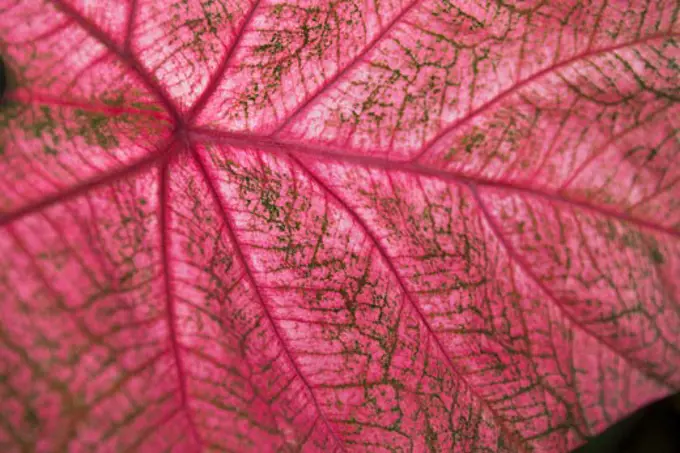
(653, 429)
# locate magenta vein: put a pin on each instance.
(170, 305)
(238, 250)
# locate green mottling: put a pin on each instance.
(212, 17)
(629, 240)
(49, 125)
(268, 199)
(95, 128)
(254, 189)
(50, 151)
(610, 234)
(73, 357)
(145, 106)
(652, 154)
(277, 10)
(283, 49)
(31, 417)
(450, 153)
(43, 124)
(372, 400)
(469, 142)
(631, 152)
(656, 255)
(472, 140)
(117, 101)
(431, 437)
(673, 64)
(41, 341)
(313, 262)
(273, 47)
(127, 277)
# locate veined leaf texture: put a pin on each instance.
(336, 225)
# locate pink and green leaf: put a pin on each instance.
(396, 226)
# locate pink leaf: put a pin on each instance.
(412, 226)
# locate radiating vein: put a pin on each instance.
(97, 33)
(217, 76)
(170, 303)
(35, 99)
(519, 445)
(238, 249)
(524, 82)
(319, 152)
(130, 26)
(351, 64)
(83, 188)
(526, 269)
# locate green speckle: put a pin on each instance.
(611, 233)
(652, 153)
(212, 16)
(431, 437)
(273, 47)
(95, 128)
(31, 417)
(114, 102)
(473, 140)
(126, 277)
(268, 199)
(143, 106)
(629, 240)
(53, 126)
(44, 124)
(468, 143)
(656, 256)
(450, 153)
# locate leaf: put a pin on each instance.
(408, 226)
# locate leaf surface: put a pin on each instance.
(412, 226)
